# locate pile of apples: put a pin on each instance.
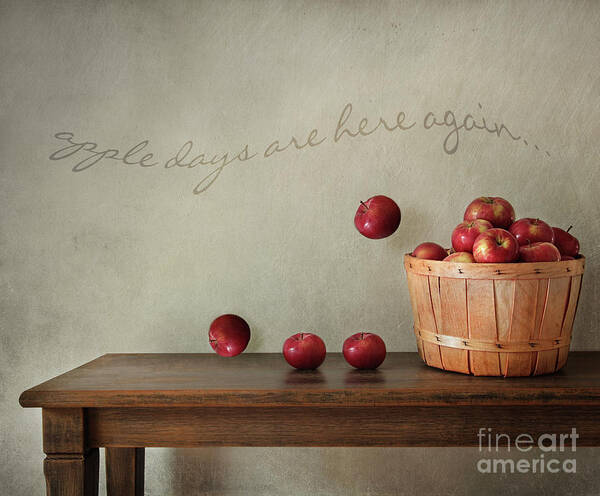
(490, 234)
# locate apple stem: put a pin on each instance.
(362, 335)
(301, 336)
(212, 340)
(570, 227)
(364, 204)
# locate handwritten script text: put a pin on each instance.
(88, 154)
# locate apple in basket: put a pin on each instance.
(566, 243)
(460, 256)
(430, 251)
(466, 232)
(496, 246)
(539, 252)
(491, 208)
(530, 230)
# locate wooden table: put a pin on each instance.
(126, 402)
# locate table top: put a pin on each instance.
(265, 379)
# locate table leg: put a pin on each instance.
(72, 475)
(71, 469)
(124, 471)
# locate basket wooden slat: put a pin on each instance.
(567, 326)
(464, 312)
(520, 321)
(453, 299)
(554, 310)
(504, 306)
(419, 287)
(482, 324)
(435, 353)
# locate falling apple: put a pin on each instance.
(304, 350)
(229, 335)
(364, 350)
(378, 217)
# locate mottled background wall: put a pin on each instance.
(122, 258)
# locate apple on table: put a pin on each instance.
(364, 350)
(304, 350)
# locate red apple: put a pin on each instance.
(229, 335)
(304, 350)
(465, 233)
(430, 251)
(493, 209)
(495, 246)
(460, 256)
(566, 257)
(566, 243)
(528, 230)
(378, 217)
(364, 350)
(539, 252)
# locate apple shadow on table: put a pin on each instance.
(355, 376)
(305, 377)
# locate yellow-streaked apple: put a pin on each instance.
(493, 209)
(430, 251)
(460, 256)
(495, 246)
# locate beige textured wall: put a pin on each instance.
(122, 258)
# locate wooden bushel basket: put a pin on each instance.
(494, 319)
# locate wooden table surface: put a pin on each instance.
(265, 379)
(126, 402)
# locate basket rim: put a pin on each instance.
(514, 270)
